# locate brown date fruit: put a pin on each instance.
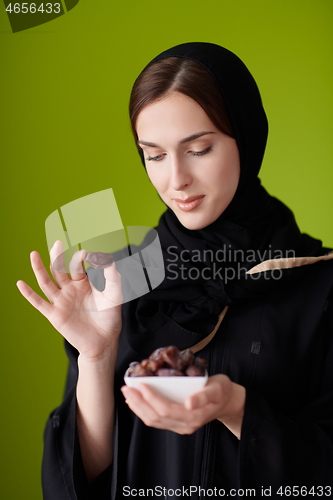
(171, 357)
(188, 357)
(169, 372)
(99, 260)
(195, 371)
(151, 364)
(201, 362)
(140, 371)
(158, 355)
(154, 365)
(131, 367)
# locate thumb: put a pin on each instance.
(113, 289)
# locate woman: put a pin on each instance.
(264, 421)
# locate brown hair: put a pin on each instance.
(175, 74)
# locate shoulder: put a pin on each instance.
(318, 276)
(299, 294)
(304, 275)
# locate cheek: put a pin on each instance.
(226, 176)
(157, 179)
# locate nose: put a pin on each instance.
(181, 176)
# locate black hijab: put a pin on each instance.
(254, 227)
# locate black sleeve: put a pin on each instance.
(297, 449)
(63, 475)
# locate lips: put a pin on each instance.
(189, 203)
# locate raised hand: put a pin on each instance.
(90, 320)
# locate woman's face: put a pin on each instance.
(194, 167)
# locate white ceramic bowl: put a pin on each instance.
(175, 388)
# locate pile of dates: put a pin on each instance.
(168, 362)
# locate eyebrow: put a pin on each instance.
(183, 141)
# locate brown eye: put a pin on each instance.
(201, 153)
(154, 158)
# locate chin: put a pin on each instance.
(193, 221)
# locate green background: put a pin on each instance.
(65, 134)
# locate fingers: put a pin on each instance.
(112, 296)
(139, 406)
(197, 400)
(216, 391)
(57, 265)
(40, 304)
(43, 279)
(159, 412)
(76, 268)
(113, 289)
